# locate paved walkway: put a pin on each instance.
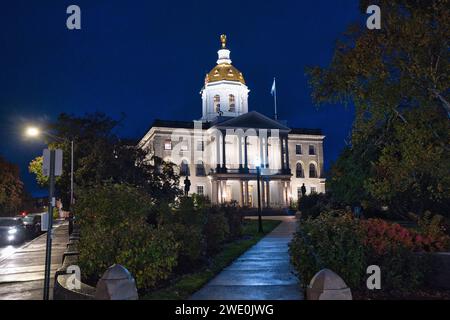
(261, 273)
(22, 272)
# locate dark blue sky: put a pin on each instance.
(149, 59)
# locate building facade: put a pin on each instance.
(225, 151)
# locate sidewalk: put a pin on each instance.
(22, 273)
(263, 272)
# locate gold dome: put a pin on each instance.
(224, 71)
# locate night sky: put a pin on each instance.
(148, 59)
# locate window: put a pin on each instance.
(168, 144)
(312, 150)
(232, 103)
(298, 149)
(200, 169)
(200, 190)
(217, 103)
(313, 190)
(184, 168)
(200, 145)
(299, 171)
(312, 171)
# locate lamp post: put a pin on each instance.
(258, 179)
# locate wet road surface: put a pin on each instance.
(22, 267)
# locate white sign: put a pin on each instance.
(44, 221)
(58, 162)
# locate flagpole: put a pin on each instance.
(275, 98)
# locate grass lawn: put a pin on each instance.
(184, 286)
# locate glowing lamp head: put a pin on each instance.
(32, 132)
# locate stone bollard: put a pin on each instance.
(116, 284)
(327, 285)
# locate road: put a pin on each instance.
(22, 267)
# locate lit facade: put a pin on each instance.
(220, 153)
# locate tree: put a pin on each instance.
(101, 156)
(11, 188)
(397, 78)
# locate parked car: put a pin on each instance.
(12, 231)
(32, 224)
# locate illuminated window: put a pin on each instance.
(217, 103)
(168, 144)
(232, 103)
(200, 190)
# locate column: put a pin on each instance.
(285, 189)
(241, 192)
(224, 165)
(214, 192)
(263, 193)
(220, 194)
(246, 154)
(261, 151)
(218, 135)
(288, 192)
(240, 151)
(246, 198)
(268, 193)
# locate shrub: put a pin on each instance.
(113, 226)
(393, 247)
(337, 241)
(234, 219)
(333, 240)
(216, 230)
(186, 221)
(313, 205)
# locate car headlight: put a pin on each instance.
(12, 231)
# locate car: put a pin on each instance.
(12, 231)
(32, 224)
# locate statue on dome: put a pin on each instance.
(223, 39)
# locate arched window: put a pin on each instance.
(299, 171)
(232, 99)
(312, 170)
(217, 103)
(200, 169)
(184, 168)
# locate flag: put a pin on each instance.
(273, 91)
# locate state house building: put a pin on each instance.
(222, 152)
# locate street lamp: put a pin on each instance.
(258, 178)
(34, 132)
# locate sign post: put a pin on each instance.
(52, 166)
